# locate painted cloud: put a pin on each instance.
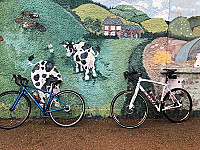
(166, 9)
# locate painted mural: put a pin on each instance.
(92, 42)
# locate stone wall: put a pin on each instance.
(191, 78)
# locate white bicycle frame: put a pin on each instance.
(158, 107)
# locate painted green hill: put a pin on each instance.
(180, 27)
(155, 25)
(130, 13)
(194, 21)
(96, 12)
(72, 3)
(18, 43)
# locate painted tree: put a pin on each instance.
(96, 26)
(88, 23)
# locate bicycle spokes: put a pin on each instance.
(126, 116)
(177, 105)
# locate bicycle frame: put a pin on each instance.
(24, 90)
(139, 87)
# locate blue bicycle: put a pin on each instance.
(65, 108)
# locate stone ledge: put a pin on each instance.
(182, 70)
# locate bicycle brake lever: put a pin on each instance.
(125, 74)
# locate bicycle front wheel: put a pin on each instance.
(72, 115)
(125, 117)
(12, 119)
(178, 105)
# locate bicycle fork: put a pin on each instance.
(17, 100)
(131, 105)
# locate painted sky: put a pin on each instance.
(166, 9)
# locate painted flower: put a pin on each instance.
(50, 46)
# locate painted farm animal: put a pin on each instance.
(1, 38)
(83, 55)
(40, 27)
(19, 20)
(42, 74)
(30, 15)
(28, 24)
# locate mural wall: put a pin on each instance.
(90, 43)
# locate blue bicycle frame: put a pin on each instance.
(30, 95)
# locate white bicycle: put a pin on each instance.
(129, 109)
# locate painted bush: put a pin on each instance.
(155, 25)
(180, 27)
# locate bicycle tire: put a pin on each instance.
(178, 114)
(12, 119)
(67, 118)
(121, 113)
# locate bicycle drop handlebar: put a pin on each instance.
(19, 80)
(129, 75)
(170, 74)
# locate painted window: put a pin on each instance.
(112, 27)
(106, 33)
(106, 27)
(119, 27)
(112, 34)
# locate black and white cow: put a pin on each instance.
(42, 74)
(84, 56)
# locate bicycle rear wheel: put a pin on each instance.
(12, 119)
(175, 98)
(71, 116)
(125, 117)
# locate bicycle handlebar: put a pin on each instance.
(128, 75)
(170, 74)
(19, 80)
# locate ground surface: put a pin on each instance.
(103, 134)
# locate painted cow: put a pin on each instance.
(30, 15)
(42, 74)
(84, 56)
(28, 24)
(19, 20)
